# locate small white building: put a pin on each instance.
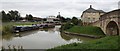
(52, 19)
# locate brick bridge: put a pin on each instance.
(109, 22)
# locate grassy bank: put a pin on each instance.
(7, 26)
(90, 30)
(108, 42)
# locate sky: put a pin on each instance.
(67, 8)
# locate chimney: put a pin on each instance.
(90, 6)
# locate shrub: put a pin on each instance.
(66, 26)
(7, 29)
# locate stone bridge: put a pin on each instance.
(109, 22)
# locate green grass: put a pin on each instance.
(90, 30)
(7, 26)
(0, 27)
(108, 42)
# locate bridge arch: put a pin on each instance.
(112, 28)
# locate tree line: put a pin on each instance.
(70, 23)
(74, 20)
(13, 15)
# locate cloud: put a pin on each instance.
(68, 8)
(119, 4)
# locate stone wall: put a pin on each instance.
(108, 17)
(90, 17)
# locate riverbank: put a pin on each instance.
(7, 26)
(88, 30)
(108, 42)
(84, 35)
(42, 39)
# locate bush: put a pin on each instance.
(7, 29)
(66, 26)
(74, 21)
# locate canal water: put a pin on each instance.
(41, 39)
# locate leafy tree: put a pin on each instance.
(80, 23)
(68, 20)
(12, 15)
(5, 18)
(62, 19)
(58, 16)
(15, 15)
(74, 21)
(66, 26)
(20, 18)
(29, 17)
(44, 19)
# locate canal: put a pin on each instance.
(41, 39)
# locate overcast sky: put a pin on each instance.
(68, 8)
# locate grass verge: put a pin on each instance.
(90, 30)
(108, 42)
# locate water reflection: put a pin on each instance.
(50, 30)
(7, 37)
(75, 38)
(42, 39)
(22, 34)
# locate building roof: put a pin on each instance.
(101, 11)
(92, 10)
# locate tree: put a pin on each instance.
(5, 18)
(29, 17)
(11, 13)
(68, 20)
(66, 26)
(62, 19)
(44, 19)
(80, 23)
(15, 15)
(74, 21)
